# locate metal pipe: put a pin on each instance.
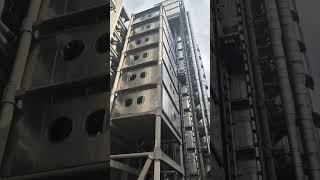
(183, 20)
(285, 87)
(194, 59)
(14, 83)
(198, 71)
(264, 122)
(297, 70)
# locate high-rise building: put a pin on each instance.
(52, 120)
(159, 102)
(264, 86)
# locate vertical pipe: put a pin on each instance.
(198, 70)
(157, 147)
(297, 70)
(264, 122)
(14, 83)
(285, 87)
(194, 63)
(183, 22)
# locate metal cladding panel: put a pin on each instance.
(128, 103)
(169, 43)
(242, 128)
(187, 119)
(36, 142)
(145, 27)
(172, 86)
(149, 75)
(138, 95)
(243, 135)
(151, 99)
(171, 110)
(60, 57)
(142, 76)
(168, 32)
(146, 15)
(147, 39)
(141, 57)
(238, 87)
(192, 164)
(179, 46)
(247, 166)
(190, 140)
(248, 177)
(57, 8)
(184, 90)
(171, 66)
(170, 55)
(180, 55)
(186, 102)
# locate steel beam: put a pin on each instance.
(145, 169)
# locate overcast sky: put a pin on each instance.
(200, 16)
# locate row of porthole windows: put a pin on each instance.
(144, 55)
(146, 27)
(75, 48)
(134, 76)
(146, 16)
(140, 100)
(61, 127)
(138, 41)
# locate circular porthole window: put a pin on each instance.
(128, 102)
(138, 41)
(146, 39)
(132, 77)
(136, 57)
(60, 129)
(94, 122)
(102, 43)
(73, 50)
(142, 75)
(140, 100)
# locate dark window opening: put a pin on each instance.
(143, 75)
(140, 100)
(128, 102)
(138, 41)
(94, 122)
(102, 43)
(73, 50)
(60, 129)
(145, 55)
(136, 57)
(132, 77)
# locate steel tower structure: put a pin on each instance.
(159, 104)
(264, 84)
